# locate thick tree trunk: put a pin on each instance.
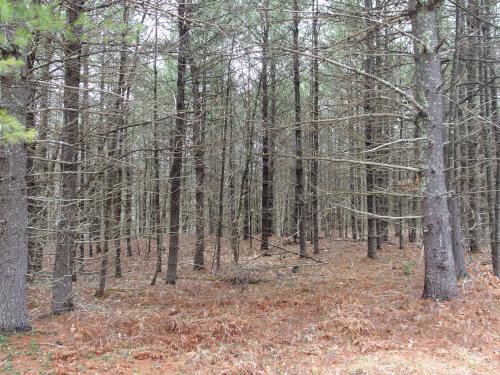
(440, 274)
(13, 244)
(13, 215)
(62, 297)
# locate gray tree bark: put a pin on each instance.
(371, 198)
(315, 131)
(62, 297)
(265, 228)
(178, 142)
(199, 166)
(440, 275)
(299, 167)
(13, 215)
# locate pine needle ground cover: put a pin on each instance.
(274, 315)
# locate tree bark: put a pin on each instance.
(264, 242)
(13, 212)
(315, 131)
(440, 274)
(471, 67)
(450, 151)
(299, 167)
(177, 143)
(371, 198)
(220, 217)
(62, 297)
(156, 214)
(492, 68)
(199, 165)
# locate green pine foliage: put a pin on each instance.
(12, 131)
(23, 19)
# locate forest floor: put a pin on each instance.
(346, 315)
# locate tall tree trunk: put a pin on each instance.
(117, 170)
(471, 67)
(220, 217)
(492, 68)
(264, 243)
(84, 124)
(371, 198)
(62, 297)
(315, 131)
(13, 210)
(440, 274)
(35, 250)
(450, 151)
(199, 165)
(156, 162)
(272, 161)
(233, 218)
(247, 176)
(178, 141)
(299, 167)
(40, 211)
(113, 193)
(400, 200)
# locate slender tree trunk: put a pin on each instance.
(414, 203)
(199, 165)
(32, 186)
(247, 176)
(220, 218)
(178, 141)
(84, 124)
(233, 219)
(315, 131)
(272, 161)
(62, 297)
(299, 168)
(450, 150)
(492, 69)
(371, 198)
(264, 243)
(117, 171)
(156, 162)
(471, 67)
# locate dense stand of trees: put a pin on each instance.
(246, 121)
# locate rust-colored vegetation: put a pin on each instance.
(346, 315)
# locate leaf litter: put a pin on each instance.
(270, 315)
